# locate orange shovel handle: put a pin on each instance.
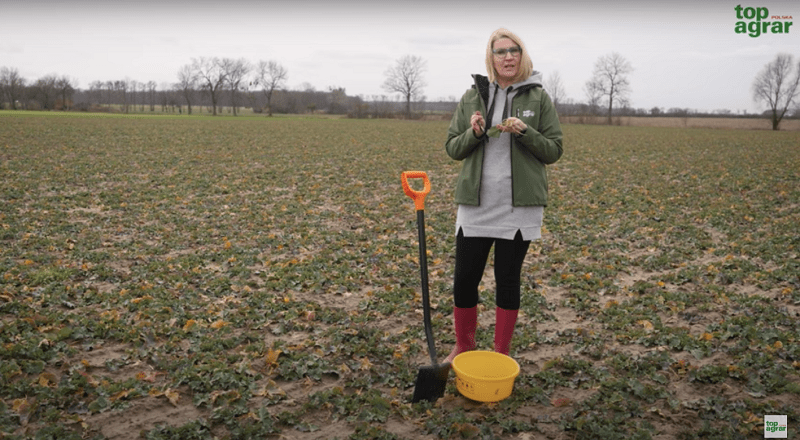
(418, 196)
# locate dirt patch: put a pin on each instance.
(143, 415)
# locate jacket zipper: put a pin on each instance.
(488, 117)
(483, 156)
(523, 89)
(511, 154)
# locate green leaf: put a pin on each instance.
(493, 132)
(99, 405)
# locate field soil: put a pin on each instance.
(236, 278)
(688, 122)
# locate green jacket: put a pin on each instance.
(540, 145)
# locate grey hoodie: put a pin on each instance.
(496, 216)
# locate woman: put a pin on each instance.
(502, 187)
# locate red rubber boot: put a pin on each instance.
(504, 329)
(466, 322)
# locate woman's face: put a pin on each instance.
(506, 65)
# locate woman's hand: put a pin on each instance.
(477, 123)
(513, 125)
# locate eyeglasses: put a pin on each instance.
(515, 52)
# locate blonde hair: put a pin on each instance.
(525, 63)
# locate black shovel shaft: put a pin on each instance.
(423, 271)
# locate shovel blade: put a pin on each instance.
(431, 382)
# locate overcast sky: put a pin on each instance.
(685, 54)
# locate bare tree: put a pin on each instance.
(406, 78)
(151, 93)
(140, 96)
(96, 92)
(609, 80)
(110, 87)
(168, 92)
(776, 87)
(250, 94)
(66, 90)
(593, 97)
(12, 86)
(132, 86)
(121, 87)
(211, 74)
(3, 88)
(555, 89)
(270, 76)
(237, 70)
(44, 91)
(336, 99)
(187, 81)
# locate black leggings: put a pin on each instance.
(471, 256)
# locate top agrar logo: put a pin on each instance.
(758, 27)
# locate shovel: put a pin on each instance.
(431, 380)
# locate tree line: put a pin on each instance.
(50, 92)
(213, 83)
(208, 84)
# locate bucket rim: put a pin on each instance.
(486, 353)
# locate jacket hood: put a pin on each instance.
(482, 81)
(535, 79)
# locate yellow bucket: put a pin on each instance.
(485, 376)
